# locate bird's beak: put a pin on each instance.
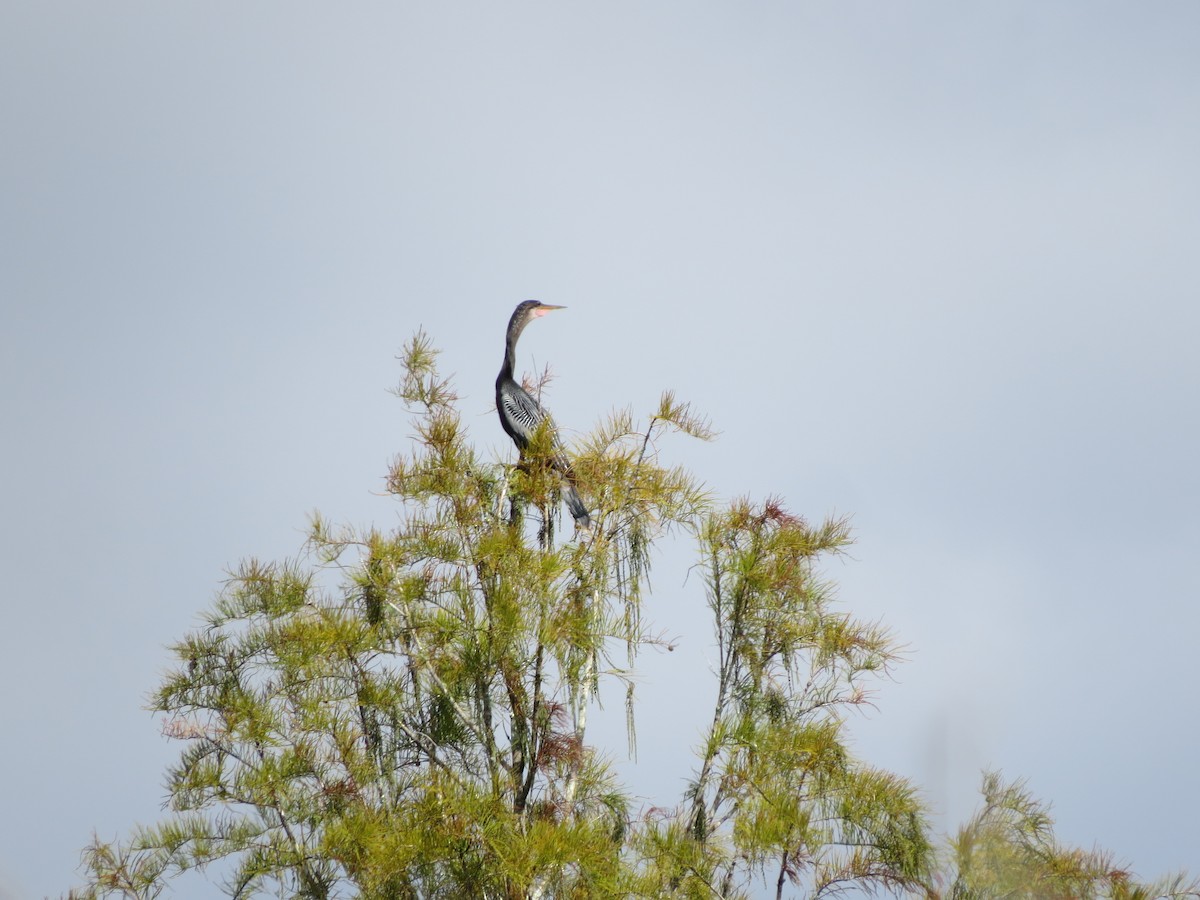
(542, 308)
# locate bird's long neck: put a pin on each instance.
(515, 327)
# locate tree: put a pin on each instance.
(1009, 850)
(404, 714)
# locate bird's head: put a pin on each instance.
(525, 313)
(532, 309)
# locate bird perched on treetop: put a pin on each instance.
(520, 414)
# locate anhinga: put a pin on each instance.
(520, 414)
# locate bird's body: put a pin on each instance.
(520, 414)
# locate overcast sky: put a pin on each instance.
(932, 265)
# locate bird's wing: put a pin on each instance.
(522, 411)
(525, 414)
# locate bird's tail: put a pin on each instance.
(575, 504)
(578, 511)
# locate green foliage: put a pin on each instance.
(778, 794)
(416, 727)
(403, 714)
(1008, 850)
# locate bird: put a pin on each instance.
(520, 414)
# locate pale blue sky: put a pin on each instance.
(934, 265)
